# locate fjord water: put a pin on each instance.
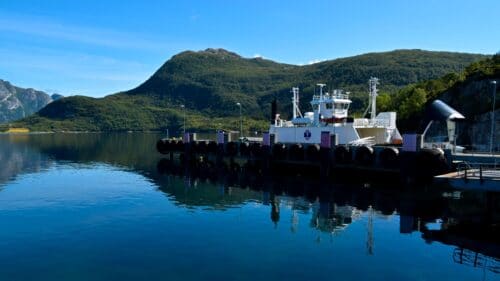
(104, 207)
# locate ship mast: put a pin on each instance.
(373, 96)
(295, 103)
(317, 115)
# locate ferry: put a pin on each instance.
(330, 114)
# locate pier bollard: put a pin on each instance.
(266, 139)
(187, 147)
(408, 156)
(220, 148)
(187, 142)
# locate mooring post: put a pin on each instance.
(220, 148)
(411, 144)
(186, 139)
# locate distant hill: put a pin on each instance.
(17, 103)
(210, 83)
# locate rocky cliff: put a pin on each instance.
(17, 103)
(474, 99)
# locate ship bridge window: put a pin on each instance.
(339, 106)
(315, 107)
(329, 106)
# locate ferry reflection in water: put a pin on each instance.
(298, 228)
(468, 220)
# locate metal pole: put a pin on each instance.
(241, 121)
(493, 115)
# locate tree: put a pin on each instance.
(384, 102)
(413, 103)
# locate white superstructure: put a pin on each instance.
(330, 114)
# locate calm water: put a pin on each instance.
(105, 207)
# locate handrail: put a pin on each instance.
(332, 96)
(475, 168)
(364, 122)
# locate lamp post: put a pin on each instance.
(241, 121)
(492, 133)
(184, 119)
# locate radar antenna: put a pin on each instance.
(321, 86)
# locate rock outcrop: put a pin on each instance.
(17, 103)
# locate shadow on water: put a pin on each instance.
(470, 221)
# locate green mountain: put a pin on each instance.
(17, 103)
(210, 83)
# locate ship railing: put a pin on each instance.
(340, 96)
(372, 123)
(478, 170)
(331, 96)
(476, 259)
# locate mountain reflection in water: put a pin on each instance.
(467, 221)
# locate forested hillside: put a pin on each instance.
(210, 83)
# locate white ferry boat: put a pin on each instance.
(330, 114)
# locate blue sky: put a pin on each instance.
(97, 48)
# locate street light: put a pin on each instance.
(241, 121)
(184, 119)
(493, 115)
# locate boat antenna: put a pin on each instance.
(321, 86)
